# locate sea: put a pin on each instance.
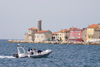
(63, 55)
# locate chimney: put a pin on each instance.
(39, 25)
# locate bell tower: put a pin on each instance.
(39, 25)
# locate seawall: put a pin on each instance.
(53, 42)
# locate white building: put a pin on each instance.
(43, 35)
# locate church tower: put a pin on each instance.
(39, 25)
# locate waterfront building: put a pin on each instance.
(90, 31)
(61, 35)
(65, 34)
(43, 35)
(84, 34)
(97, 32)
(57, 36)
(75, 35)
(54, 36)
(30, 35)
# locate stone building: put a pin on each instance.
(84, 34)
(43, 35)
(97, 32)
(31, 31)
(30, 35)
(39, 25)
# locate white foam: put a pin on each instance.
(7, 57)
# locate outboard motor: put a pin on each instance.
(15, 55)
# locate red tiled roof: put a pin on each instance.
(73, 28)
(54, 33)
(32, 29)
(98, 29)
(93, 25)
(65, 30)
(43, 31)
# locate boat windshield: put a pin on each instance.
(21, 50)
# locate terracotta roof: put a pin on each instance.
(93, 25)
(73, 28)
(32, 29)
(54, 33)
(43, 31)
(98, 29)
(65, 30)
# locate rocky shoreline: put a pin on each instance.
(54, 42)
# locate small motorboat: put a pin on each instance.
(28, 55)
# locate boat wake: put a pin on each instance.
(7, 57)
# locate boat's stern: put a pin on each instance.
(15, 55)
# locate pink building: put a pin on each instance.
(75, 35)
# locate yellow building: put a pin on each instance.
(90, 31)
(61, 35)
(65, 34)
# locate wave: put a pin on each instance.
(7, 57)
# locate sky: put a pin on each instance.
(16, 16)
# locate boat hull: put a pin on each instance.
(42, 54)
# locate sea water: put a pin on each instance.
(62, 55)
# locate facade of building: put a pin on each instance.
(43, 35)
(30, 35)
(65, 34)
(90, 31)
(54, 36)
(84, 34)
(97, 32)
(62, 35)
(75, 35)
(31, 31)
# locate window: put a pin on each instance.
(75, 33)
(37, 36)
(71, 30)
(92, 29)
(79, 34)
(79, 31)
(89, 33)
(41, 36)
(72, 37)
(75, 37)
(89, 29)
(71, 33)
(89, 37)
